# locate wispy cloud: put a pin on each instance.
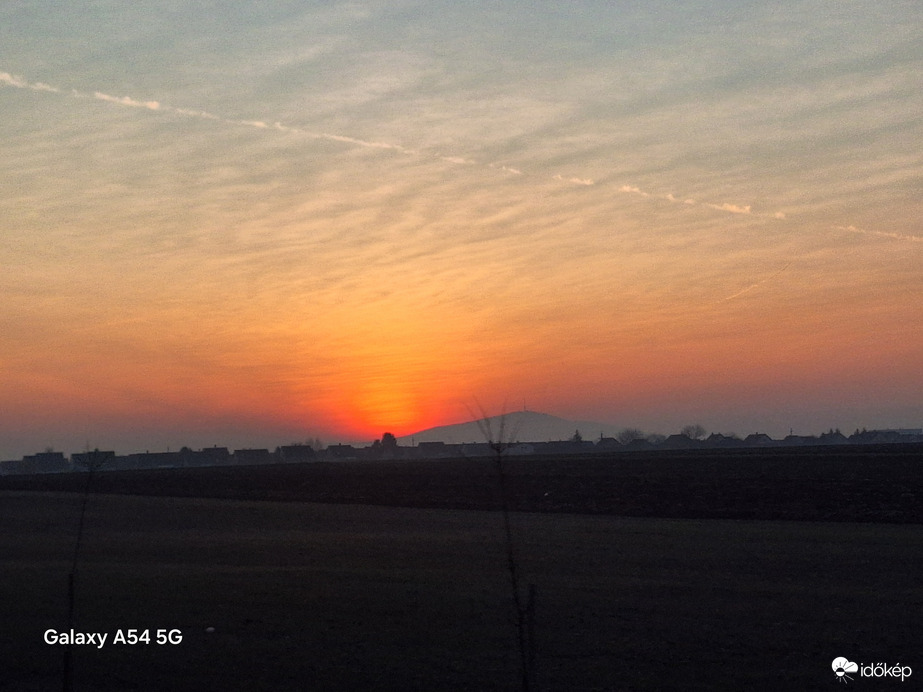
(320, 200)
(460, 160)
(728, 207)
(575, 181)
(508, 169)
(19, 82)
(881, 234)
(192, 113)
(731, 208)
(154, 105)
(127, 101)
(357, 142)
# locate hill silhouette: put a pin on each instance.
(518, 426)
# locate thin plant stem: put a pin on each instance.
(525, 614)
(92, 463)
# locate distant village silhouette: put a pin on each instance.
(388, 447)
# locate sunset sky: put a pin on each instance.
(249, 223)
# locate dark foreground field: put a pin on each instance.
(308, 596)
(847, 483)
(316, 594)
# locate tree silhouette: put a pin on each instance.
(629, 435)
(389, 442)
(693, 432)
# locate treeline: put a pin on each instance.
(387, 448)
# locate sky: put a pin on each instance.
(246, 224)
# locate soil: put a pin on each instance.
(838, 483)
(688, 571)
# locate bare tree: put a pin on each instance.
(629, 435)
(525, 607)
(315, 443)
(693, 432)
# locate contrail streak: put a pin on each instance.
(725, 207)
(758, 283)
(881, 234)
(19, 82)
(127, 101)
(15, 81)
(8, 79)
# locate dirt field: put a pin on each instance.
(314, 596)
(848, 483)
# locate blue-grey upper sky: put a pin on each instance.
(240, 223)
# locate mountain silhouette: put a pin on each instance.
(517, 426)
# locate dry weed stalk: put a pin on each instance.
(92, 462)
(524, 607)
